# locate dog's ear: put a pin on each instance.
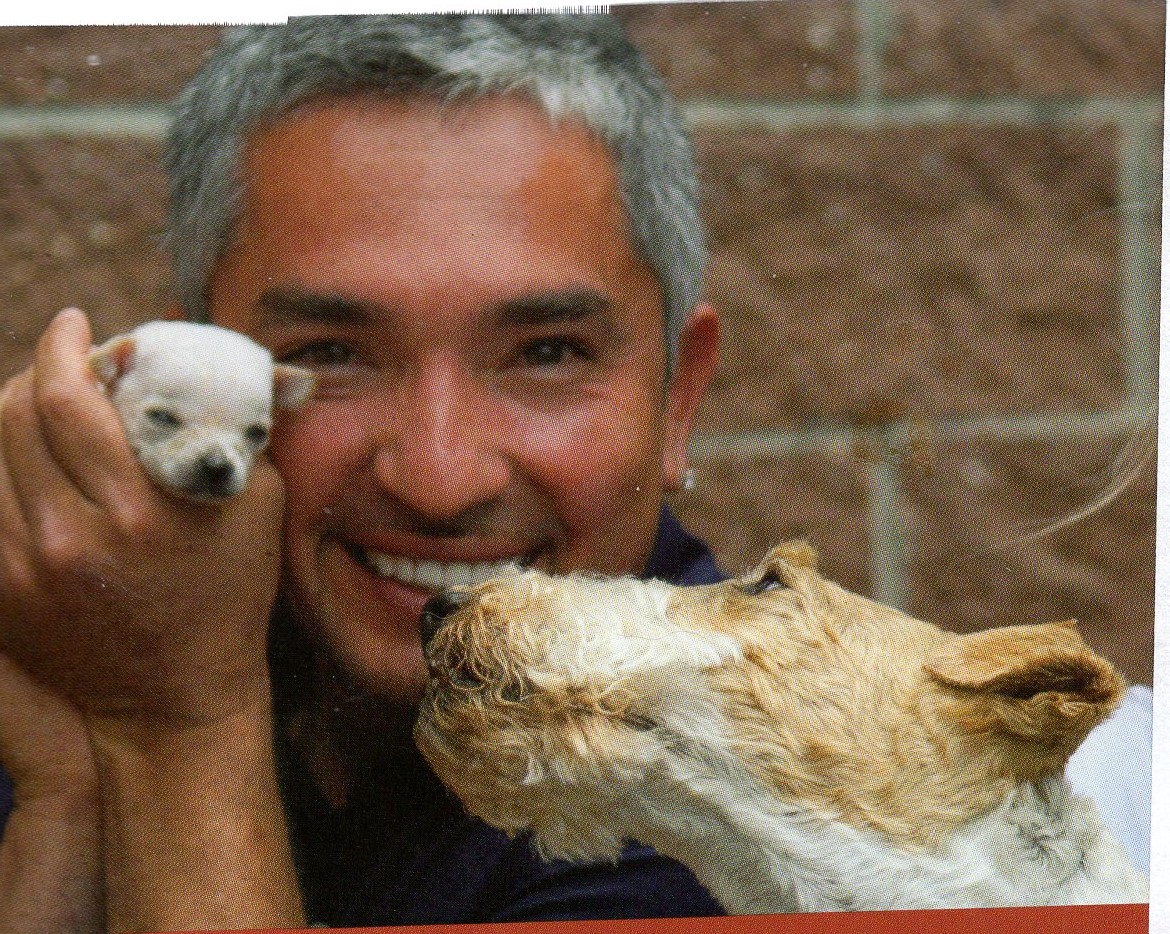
(292, 386)
(797, 552)
(1037, 689)
(111, 360)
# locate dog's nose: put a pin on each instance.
(436, 610)
(215, 472)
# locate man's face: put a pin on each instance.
(490, 355)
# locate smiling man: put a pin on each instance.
(482, 234)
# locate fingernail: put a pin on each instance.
(73, 319)
(66, 314)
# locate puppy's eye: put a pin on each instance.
(256, 434)
(768, 582)
(163, 418)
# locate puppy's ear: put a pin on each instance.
(111, 360)
(1032, 691)
(292, 386)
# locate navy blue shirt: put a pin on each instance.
(403, 850)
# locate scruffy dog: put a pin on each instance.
(799, 747)
(197, 402)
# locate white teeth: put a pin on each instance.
(437, 575)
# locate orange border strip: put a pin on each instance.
(1077, 919)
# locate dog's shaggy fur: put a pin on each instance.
(800, 748)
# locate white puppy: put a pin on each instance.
(197, 402)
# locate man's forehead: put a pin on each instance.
(362, 211)
(420, 143)
(431, 182)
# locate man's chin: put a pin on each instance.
(383, 666)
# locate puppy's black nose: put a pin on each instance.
(215, 472)
(436, 610)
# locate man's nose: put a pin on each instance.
(446, 455)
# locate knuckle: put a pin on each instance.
(61, 552)
(19, 578)
(6, 390)
(17, 392)
(61, 546)
(135, 522)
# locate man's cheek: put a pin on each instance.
(575, 454)
(316, 441)
(596, 476)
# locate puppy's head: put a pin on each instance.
(197, 402)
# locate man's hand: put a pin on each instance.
(50, 856)
(135, 605)
(151, 615)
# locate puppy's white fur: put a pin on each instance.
(197, 402)
(800, 748)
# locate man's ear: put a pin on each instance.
(694, 368)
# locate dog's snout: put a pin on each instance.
(215, 472)
(436, 610)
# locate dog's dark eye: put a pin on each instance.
(256, 434)
(163, 418)
(768, 582)
(638, 722)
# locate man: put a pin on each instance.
(482, 233)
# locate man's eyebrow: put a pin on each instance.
(555, 307)
(283, 305)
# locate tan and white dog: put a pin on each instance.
(799, 747)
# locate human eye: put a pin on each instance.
(547, 352)
(321, 353)
(343, 366)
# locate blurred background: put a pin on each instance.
(934, 229)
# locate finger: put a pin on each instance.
(79, 425)
(41, 489)
(12, 521)
(13, 528)
(267, 487)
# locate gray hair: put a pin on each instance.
(573, 65)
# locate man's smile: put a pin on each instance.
(429, 574)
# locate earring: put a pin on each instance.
(688, 480)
